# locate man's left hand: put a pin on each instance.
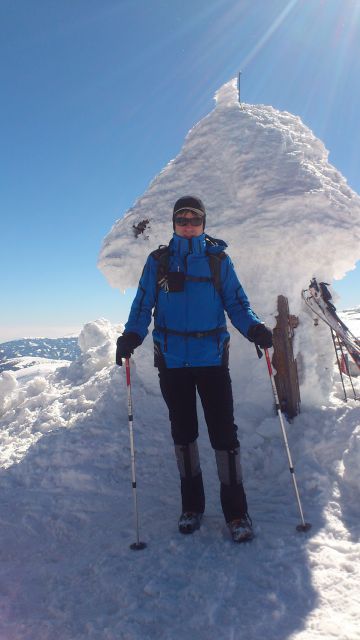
(261, 335)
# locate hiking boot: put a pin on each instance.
(241, 529)
(189, 521)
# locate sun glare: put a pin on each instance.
(269, 33)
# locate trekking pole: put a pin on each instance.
(304, 526)
(135, 546)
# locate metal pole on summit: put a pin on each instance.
(136, 546)
(304, 526)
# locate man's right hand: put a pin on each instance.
(125, 346)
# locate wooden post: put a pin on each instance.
(286, 377)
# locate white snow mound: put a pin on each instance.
(269, 192)
(286, 213)
(97, 343)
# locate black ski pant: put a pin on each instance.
(213, 384)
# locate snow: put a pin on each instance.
(351, 317)
(271, 194)
(66, 515)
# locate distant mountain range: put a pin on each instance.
(51, 348)
(17, 354)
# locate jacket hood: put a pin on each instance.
(199, 245)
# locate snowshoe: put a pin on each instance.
(189, 521)
(241, 529)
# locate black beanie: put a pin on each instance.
(190, 203)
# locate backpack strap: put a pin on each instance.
(215, 260)
(161, 255)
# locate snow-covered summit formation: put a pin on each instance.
(271, 194)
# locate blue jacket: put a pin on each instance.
(190, 325)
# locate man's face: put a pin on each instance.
(188, 230)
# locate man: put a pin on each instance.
(190, 284)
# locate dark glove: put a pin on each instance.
(125, 346)
(261, 335)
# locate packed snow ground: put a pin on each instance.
(66, 514)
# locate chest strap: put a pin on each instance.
(191, 334)
(198, 279)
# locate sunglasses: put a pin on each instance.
(194, 222)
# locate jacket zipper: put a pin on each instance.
(187, 304)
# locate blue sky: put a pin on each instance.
(97, 96)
